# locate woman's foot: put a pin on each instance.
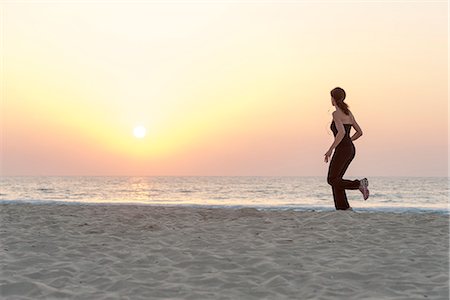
(363, 184)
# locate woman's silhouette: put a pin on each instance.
(344, 152)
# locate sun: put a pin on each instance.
(139, 132)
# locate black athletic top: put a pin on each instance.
(346, 141)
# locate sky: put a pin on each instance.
(223, 88)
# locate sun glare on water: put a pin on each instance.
(139, 132)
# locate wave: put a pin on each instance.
(293, 207)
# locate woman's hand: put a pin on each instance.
(328, 154)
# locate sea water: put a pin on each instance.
(390, 194)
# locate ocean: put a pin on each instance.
(389, 194)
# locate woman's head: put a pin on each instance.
(337, 99)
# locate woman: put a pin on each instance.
(343, 120)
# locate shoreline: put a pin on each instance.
(296, 208)
(161, 252)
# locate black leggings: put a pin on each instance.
(339, 163)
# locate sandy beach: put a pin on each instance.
(150, 252)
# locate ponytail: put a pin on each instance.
(343, 106)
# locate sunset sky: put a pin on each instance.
(222, 88)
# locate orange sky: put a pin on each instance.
(223, 88)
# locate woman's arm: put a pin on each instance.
(341, 132)
(339, 136)
(358, 129)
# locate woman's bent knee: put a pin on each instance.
(331, 181)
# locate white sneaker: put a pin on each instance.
(363, 184)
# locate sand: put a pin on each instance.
(148, 252)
